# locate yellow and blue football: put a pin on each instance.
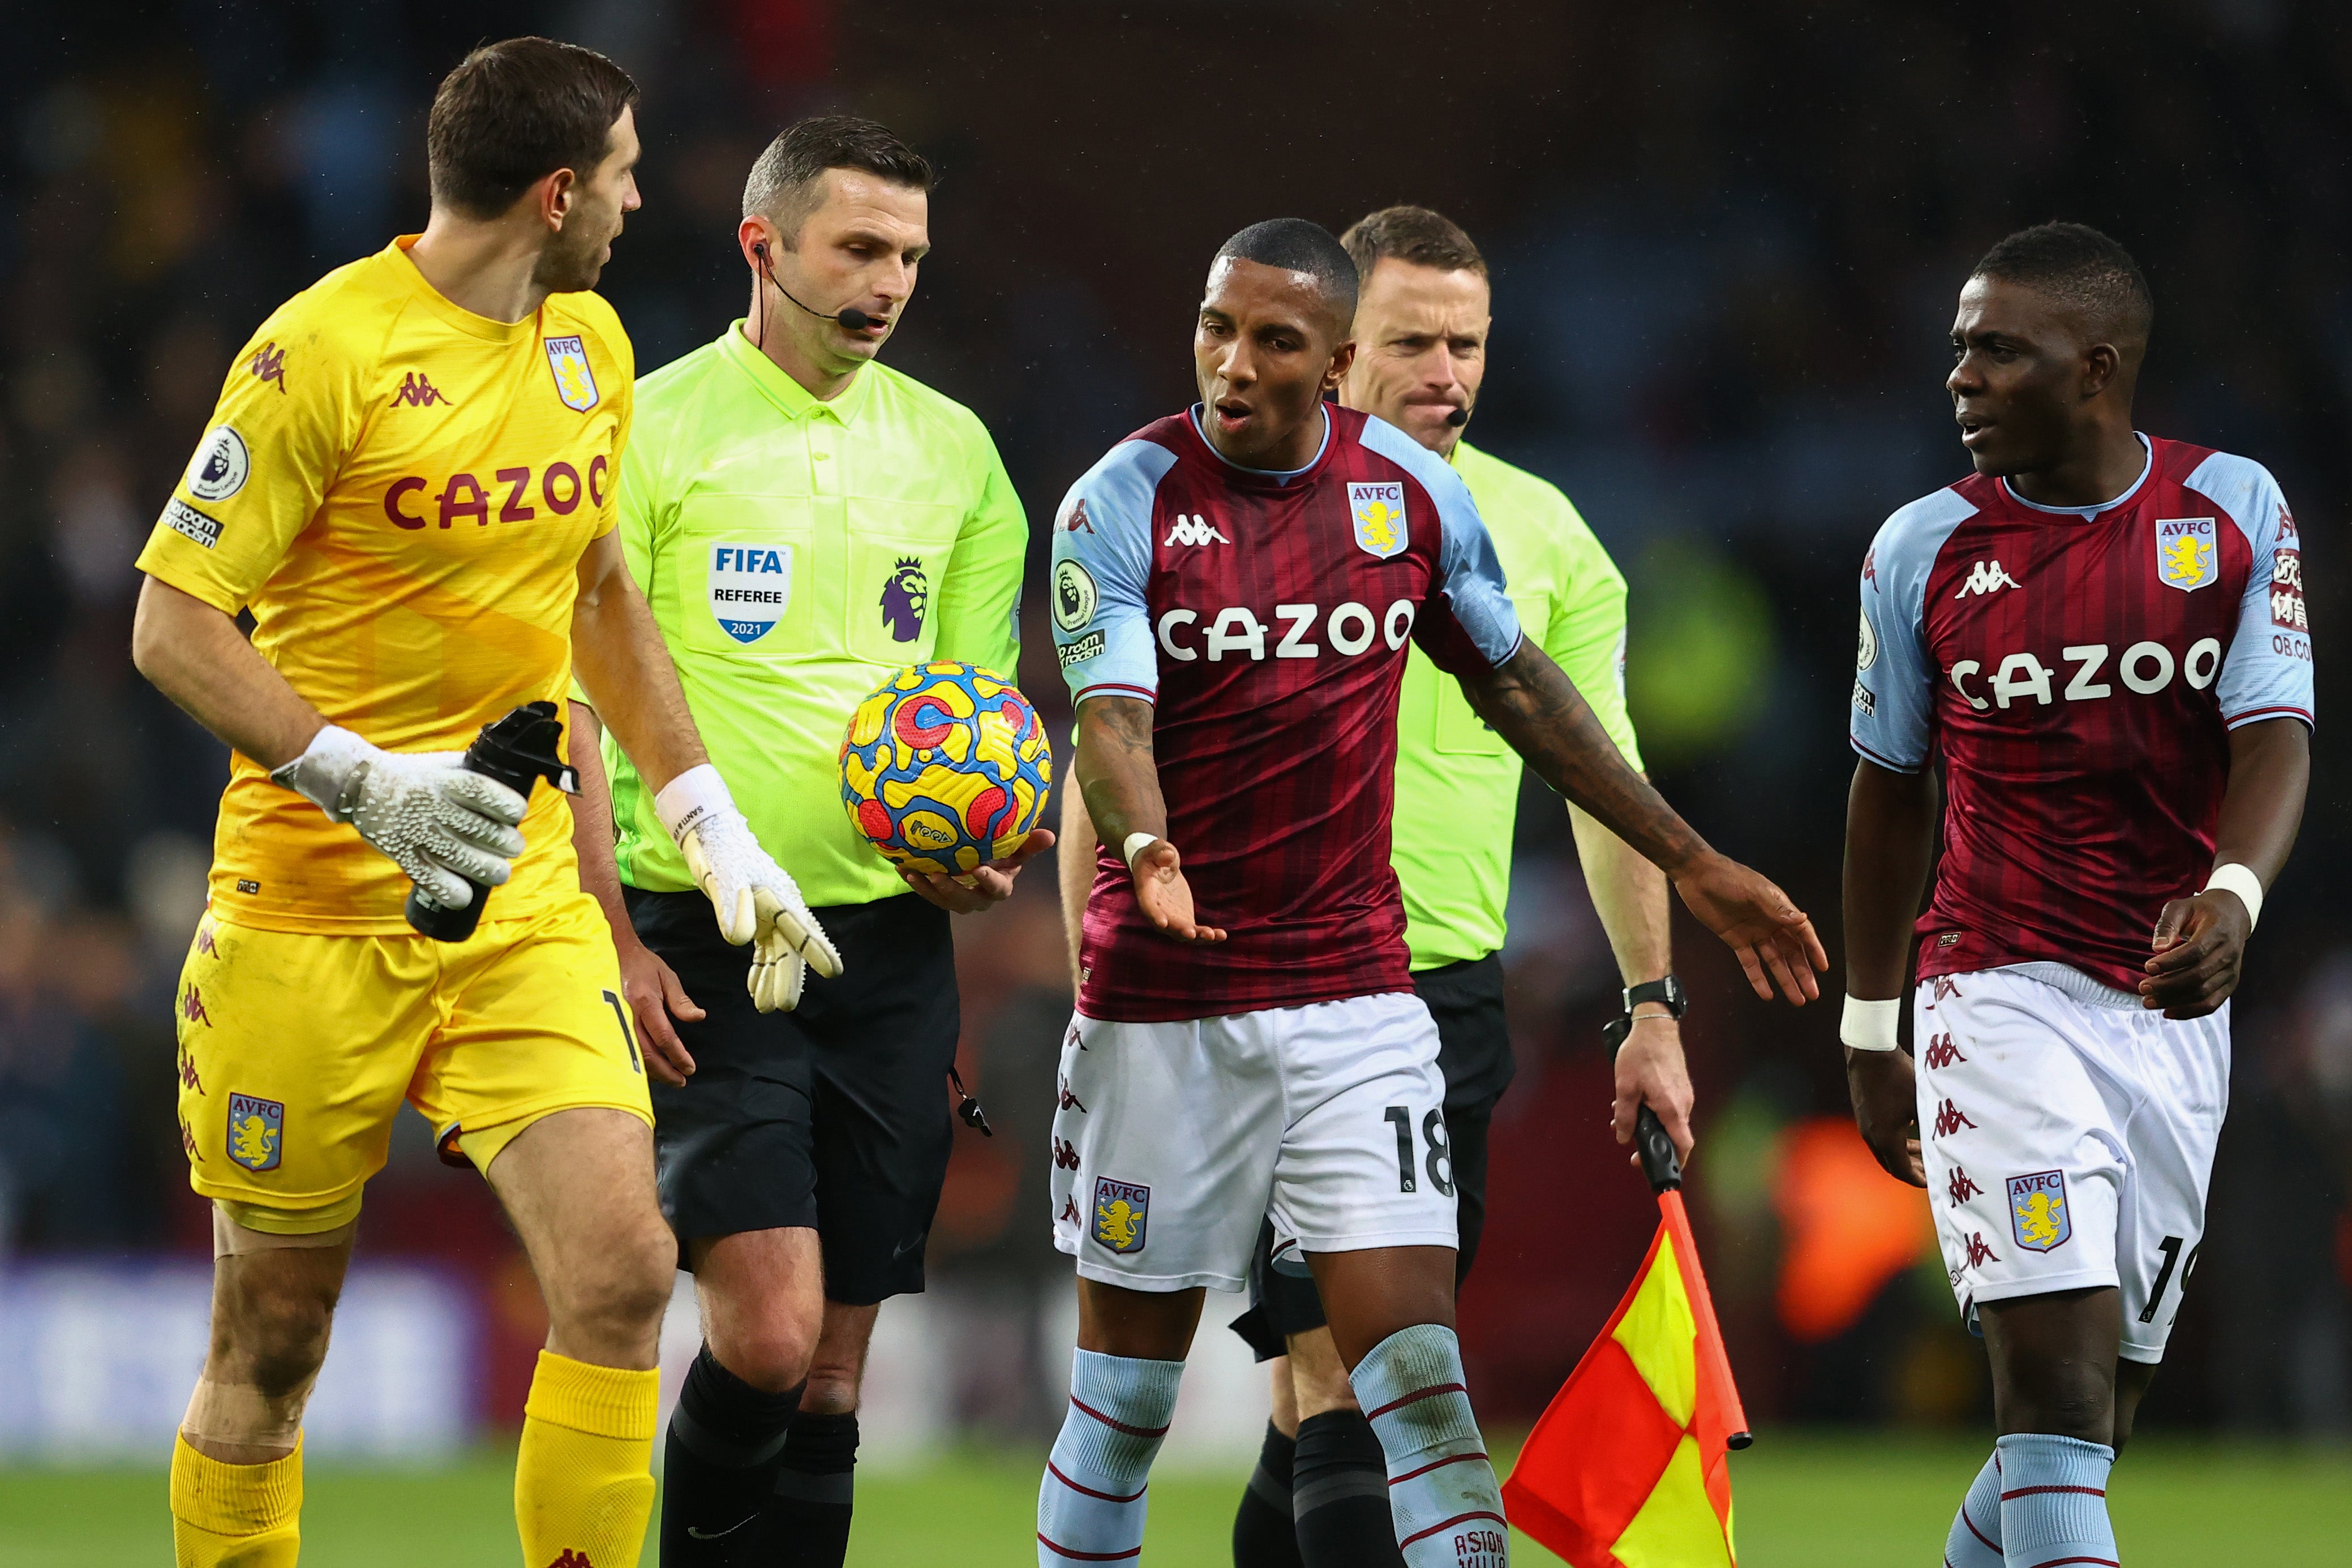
(945, 767)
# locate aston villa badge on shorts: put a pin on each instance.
(575, 384)
(257, 1131)
(2038, 1215)
(1120, 1209)
(1378, 510)
(2185, 552)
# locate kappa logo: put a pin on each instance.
(257, 1131)
(188, 1141)
(1069, 1102)
(1194, 530)
(1962, 1187)
(1121, 1208)
(572, 1559)
(1065, 1154)
(1950, 1119)
(1978, 1253)
(1941, 1051)
(191, 1006)
(269, 364)
(1070, 1215)
(1946, 986)
(1870, 568)
(416, 391)
(189, 1077)
(1077, 521)
(1986, 576)
(2039, 1216)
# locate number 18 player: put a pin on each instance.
(2102, 639)
(1233, 590)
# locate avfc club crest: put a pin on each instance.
(1120, 1209)
(1378, 511)
(2038, 1213)
(575, 384)
(2188, 552)
(257, 1131)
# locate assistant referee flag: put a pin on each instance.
(795, 552)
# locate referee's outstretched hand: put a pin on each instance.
(985, 888)
(1774, 939)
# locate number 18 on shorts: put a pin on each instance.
(1172, 1139)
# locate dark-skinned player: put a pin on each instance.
(1233, 590)
(2101, 639)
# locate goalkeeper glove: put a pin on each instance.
(432, 816)
(756, 901)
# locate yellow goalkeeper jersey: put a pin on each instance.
(400, 491)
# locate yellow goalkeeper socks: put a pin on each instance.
(236, 1516)
(584, 1481)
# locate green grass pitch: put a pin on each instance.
(1805, 1500)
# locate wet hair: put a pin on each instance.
(512, 113)
(1412, 234)
(782, 186)
(1296, 245)
(2083, 270)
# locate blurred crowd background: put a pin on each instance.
(1725, 238)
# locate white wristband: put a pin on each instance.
(2242, 881)
(323, 772)
(1870, 1026)
(691, 798)
(1135, 844)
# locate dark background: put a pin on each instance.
(1726, 238)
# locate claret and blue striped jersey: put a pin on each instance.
(1266, 616)
(2077, 673)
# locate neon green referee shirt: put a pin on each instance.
(795, 553)
(1457, 781)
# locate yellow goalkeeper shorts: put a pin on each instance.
(295, 1050)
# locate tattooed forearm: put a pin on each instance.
(1115, 771)
(1536, 708)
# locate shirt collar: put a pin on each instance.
(441, 307)
(793, 400)
(2087, 513)
(1281, 476)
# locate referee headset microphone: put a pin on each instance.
(850, 317)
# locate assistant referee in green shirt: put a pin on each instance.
(803, 521)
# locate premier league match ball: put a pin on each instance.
(945, 767)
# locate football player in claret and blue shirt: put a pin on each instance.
(2102, 638)
(1233, 590)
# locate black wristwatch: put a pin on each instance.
(1668, 991)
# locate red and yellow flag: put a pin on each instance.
(1627, 1467)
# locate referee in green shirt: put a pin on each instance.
(803, 521)
(1320, 1494)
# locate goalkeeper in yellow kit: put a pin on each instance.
(411, 483)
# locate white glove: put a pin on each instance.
(435, 819)
(756, 901)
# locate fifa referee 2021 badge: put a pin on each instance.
(806, 521)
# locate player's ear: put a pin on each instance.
(2100, 363)
(1337, 371)
(555, 194)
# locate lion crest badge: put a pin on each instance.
(1120, 1209)
(575, 382)
(1378, 511)
(257, 1131)
(2039, 1214)
(2188, 552)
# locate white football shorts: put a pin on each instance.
(2069, 1137)
(1172, 1140)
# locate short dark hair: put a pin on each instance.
(1413, 234)
(2078, 265)
(1297, 245)
(514, 112)
(781, 186)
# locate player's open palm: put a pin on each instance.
(1166, 896)
(2201, 947)
(1774, 938)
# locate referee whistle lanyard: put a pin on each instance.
(967, 1107)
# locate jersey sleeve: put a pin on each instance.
(2268, 670)
(1102, 572)
(1893, 674)
(1468, 624)
(288, 412)
(1586, 636)
(979, 602)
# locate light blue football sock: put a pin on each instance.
(2054, 1501)
(1975, 1539)
(1441, 1491)
(1091, 1505)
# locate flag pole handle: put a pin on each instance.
(1659, 1162)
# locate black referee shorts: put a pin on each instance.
(1474, 1051)
(833, 1115)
